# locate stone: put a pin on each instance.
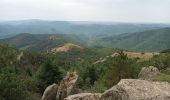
(115, 93)
(66, 85)
(59, 92)
(148, 73)
(129, 89)
(50, 92)
(135, 89)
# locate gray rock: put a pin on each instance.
(66, 85)
(148, 73)
(126, 89)
(59, 92)
(115, 93)
(135, 89)
(50, 92)
(130, 89)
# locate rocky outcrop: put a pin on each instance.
(135, 89)
(50, 92)
(59, 92)
(148, 73)
(130, 89)
(126, 89)
(66, 85)
(19, 56)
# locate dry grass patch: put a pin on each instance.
(66, 47)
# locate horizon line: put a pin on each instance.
(97, 21)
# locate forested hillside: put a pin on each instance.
(84, 49)
(152, 40)
(40, 42)
(30, 62)
(24, 75)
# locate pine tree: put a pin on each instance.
(47, 75)
(121, 68)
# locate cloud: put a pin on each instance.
(95, 10)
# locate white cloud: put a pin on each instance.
(96, 10)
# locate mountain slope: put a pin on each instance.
(152, 40)
(37, 42)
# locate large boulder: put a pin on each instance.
(135, 89)
(61, 91)
(50, 92)
(130, 89)
(115, 93)
(148, 73)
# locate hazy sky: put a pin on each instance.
(87, 10)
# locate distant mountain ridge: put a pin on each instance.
(11, 28)
(40, 35)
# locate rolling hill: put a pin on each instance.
(148, 40)
(38, 42)
(151, 40)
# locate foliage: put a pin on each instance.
(16, 87)
(26, 78)
(165, 51)
(164, 76)
(120, 69)
(7, 56)
(47, 75)
(13, 86)
(162, 62)
(149, 40)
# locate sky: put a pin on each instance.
(156, 11)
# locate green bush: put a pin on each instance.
(16, 87)
(121, 68)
